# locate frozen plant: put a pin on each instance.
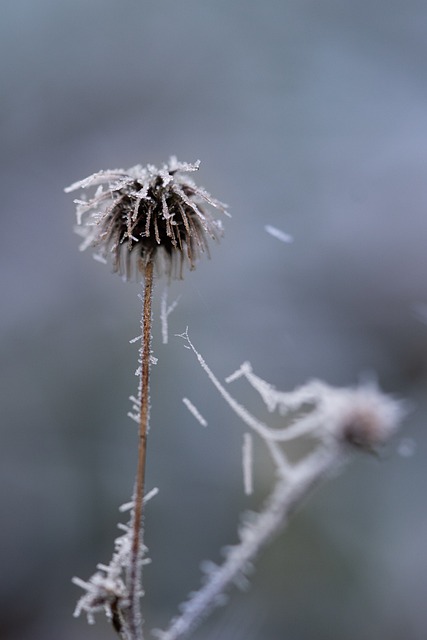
(142, 218)
(145, 220)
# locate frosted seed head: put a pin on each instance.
(368, 418)
(147, 214)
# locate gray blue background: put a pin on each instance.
(309, 116)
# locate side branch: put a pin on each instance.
(254, 535)
(338, 421)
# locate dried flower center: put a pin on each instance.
(148, 212)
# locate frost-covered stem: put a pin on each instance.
(134, 578)
(286, 496)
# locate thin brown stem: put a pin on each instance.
(134, 577)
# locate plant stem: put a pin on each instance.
(134, 577)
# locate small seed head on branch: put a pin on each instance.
(367, 418)
(147, 214)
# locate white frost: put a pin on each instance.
(279, 234)
(247, 463)
(165, 312)
(192, 409)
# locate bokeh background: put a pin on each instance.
(309, 116)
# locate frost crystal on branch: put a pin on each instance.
(146, 213)
(278, 233)
(339, 420)
(106, 589)
(247, 461)
(165, 312)
(196, 413)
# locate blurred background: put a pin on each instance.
(308, 116)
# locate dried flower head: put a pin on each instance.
(147, 214)
(365, 418)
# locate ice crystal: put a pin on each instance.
(106, 589)
(247, 463)
(196, 413)
(165, 311)
(279, 234)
